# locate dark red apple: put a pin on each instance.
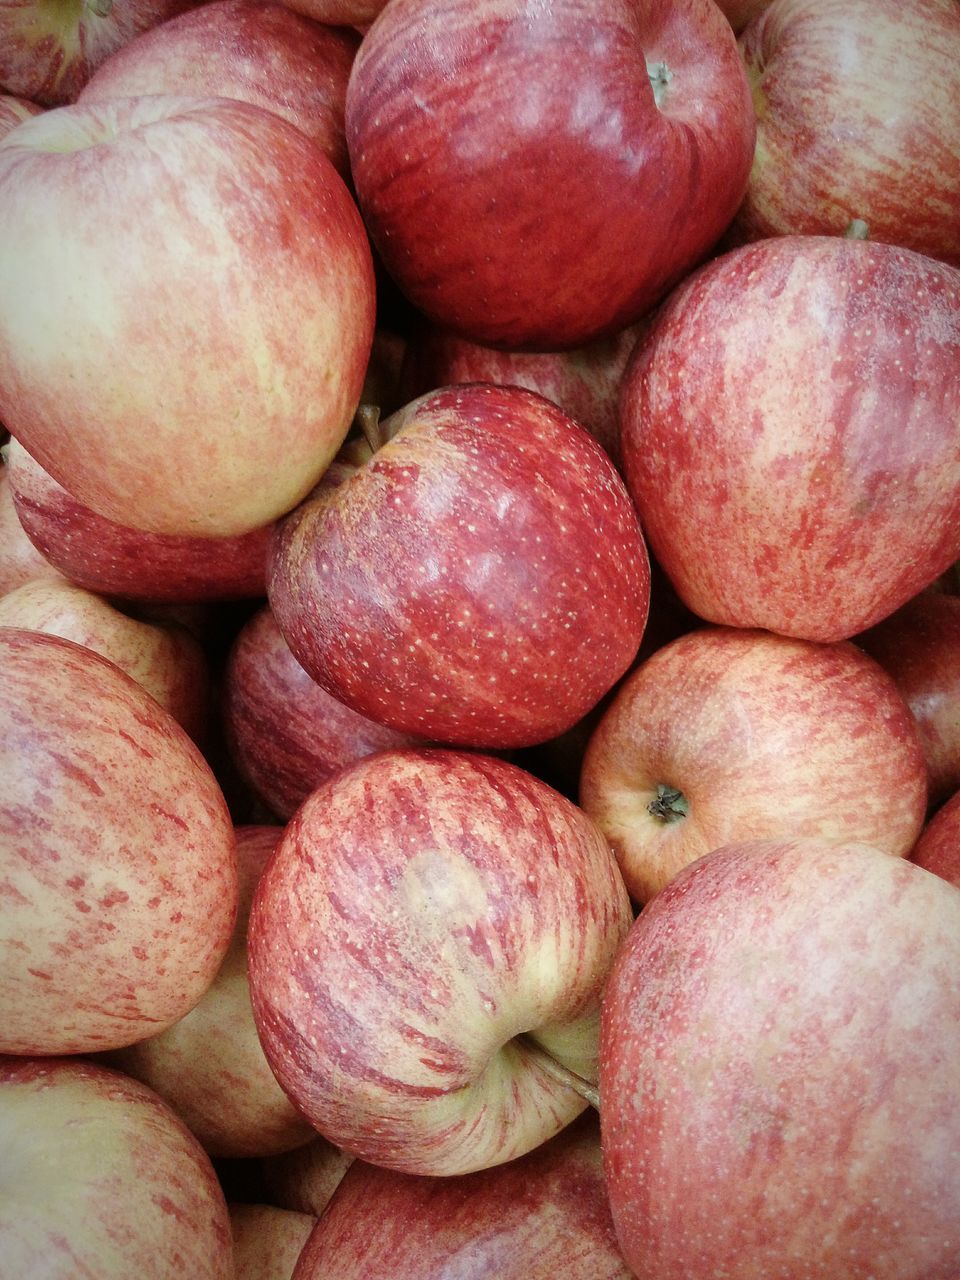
(789, 433)
(537, 175)
(480, 580)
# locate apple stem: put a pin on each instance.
(557, 1071)
(857, 230)
(669, 804)
(367, 419)
(660, 76)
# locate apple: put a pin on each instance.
(100, 1178)
(267, 1241)
(117, 855)
(347, 13)
(14, 110)
(209, 1065)
(780, 1061)
(287, 735)
(20, 561)
(585, 382)
(789, 434)
(116, 560)
(843, 133)
(256, 51)
(303, 1180)
(481, 579)
(543, 1216)
(186, 309)
(48, 50)
(526, 198)
(938, 848)
(167, 661)
(726, 735)
(920, 646)
(739, 12)
(427, 949)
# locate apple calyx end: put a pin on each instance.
(660, 77)
(857, 229)
(669, 804)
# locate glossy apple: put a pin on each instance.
(49, 50)
(267, 1241)
(543, 1216)
(186, 309)
(938, 848)
(287, 735)
(209, 1065)
(726, 735)
(116, 855)
(427, 950)
(524, 198)
(20, 561)
(481, 579)
(788, 434)
(167, 661)
(116, 560)
(262, 53)
(843, 133)
(779, 1069)
(100, 1178)
(920, 646)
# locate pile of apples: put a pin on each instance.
(480, 639)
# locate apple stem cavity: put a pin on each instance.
(557, 1071)
(102, 8)
(669, 804)
(660, 76)
(857, 230)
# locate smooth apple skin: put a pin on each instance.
(765, 737)
(842, 131)
(116, 560)
(49, 51)
(789, 438)
(117, 855)
(167, 661)
(526, 199)
(481, 580)
(938, 848)
(304, 1179)
(186, 309)
(20, 561)
(287, 735)
(543, 1216)
(101, 1178)
(209, 1066)
(267, 1241)
(424, 909)
(779, 1070)
(920, 646)
(14, 110)
(257, 52)
(739, 12)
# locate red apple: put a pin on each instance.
(726, 735)
(286, 734)
(481, 579)
(304, 1179)
(585, 382)
(920, 646)
(186, 309)
(739, 12)
(117, 855)
(427, 950)
(525, 197)
(938, 848)
(209, 1065)
(347, 13)
(843, 132)
(780, 1050)
(789, 434)
(267, 1241)
(20, 561)
(116, 560)
(14, 111)
(167, 661)
(100, 1178)
(49, 50)
(254, 50)
(543, 1216)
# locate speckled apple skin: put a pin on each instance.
(482, 580)
(766, 737)
(938, 848)
(780, 1061)
(118, 872)
(102, 1180)
(423, 909)
(789, 433)
(543, 1216)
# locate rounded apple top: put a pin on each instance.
(481, 580)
